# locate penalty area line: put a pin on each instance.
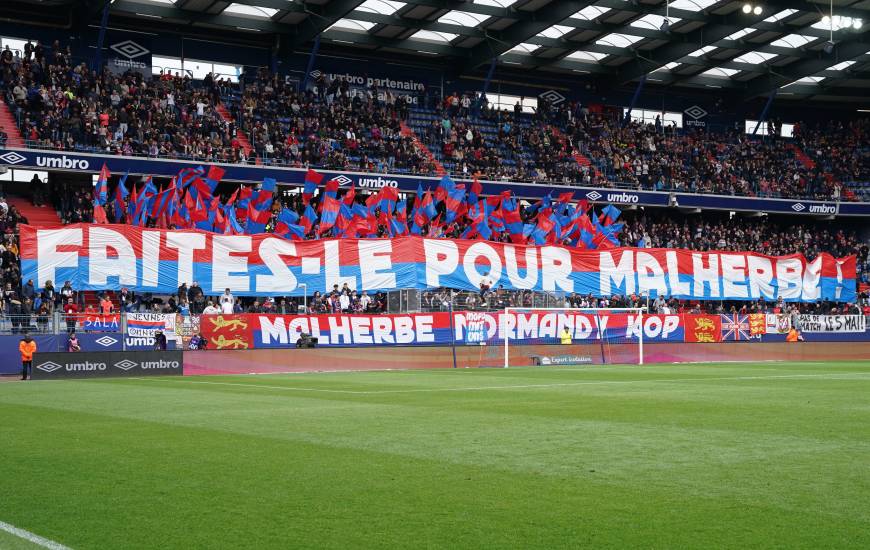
(32, 537)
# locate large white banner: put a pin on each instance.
(833, 323)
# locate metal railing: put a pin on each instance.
(59, 323)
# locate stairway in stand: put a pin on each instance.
(802, 157)
(240, 134)
(408, 132)
(810, 164)
(8, 125)
(581, 159)
(37, 216)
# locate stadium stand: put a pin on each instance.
(55, 101)
(267, 120)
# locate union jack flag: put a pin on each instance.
(735, 327)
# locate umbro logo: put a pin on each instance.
(695, 112)
(554, 97)
(49, 366)
(343, 180)
(126, 364)
(798, 207)
(107, 341)
(593, 195)
(12, 158)
(129, 49)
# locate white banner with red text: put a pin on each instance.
(101, 257)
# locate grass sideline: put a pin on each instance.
(693, 456)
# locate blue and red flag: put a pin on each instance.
(101, 190)
(350, 195)
(453, 204)
(510, 213)
(476, 190)
(186, 176)
(386, 199)
(215, 173)
(445, 186)
(269, 185)
(233, 226)
(308, 219)
(294, 232)
(329, 208)
(312, 180)
(161, 201)
(120, 198)
(331, 188)
(286, 218)
(609, 215)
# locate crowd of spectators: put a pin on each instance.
(746, 234)
(15, 297)
(331, 125)
(594, 150)
(566, 143)
(61, 104)
(66, 105)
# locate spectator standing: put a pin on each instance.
(70, 311)
(27, 347)
(106, 306)
(227, 301)
(159, 341)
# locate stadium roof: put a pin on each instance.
(685, 43)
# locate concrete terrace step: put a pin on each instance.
(8, 125)
(37, 216)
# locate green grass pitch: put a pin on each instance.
(677, 456)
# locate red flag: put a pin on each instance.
(389, 193)
(601, 242)
(220, 221)
(258, 216)
(545, 223)
(350, 195)
(100, 214)
(215, 173)
(233, 197)
(357, 226)
(199, 213)
(435, 226)
(476, 188)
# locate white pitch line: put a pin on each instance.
(31, 537)
(516, 386)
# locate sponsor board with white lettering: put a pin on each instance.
(107, 364)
